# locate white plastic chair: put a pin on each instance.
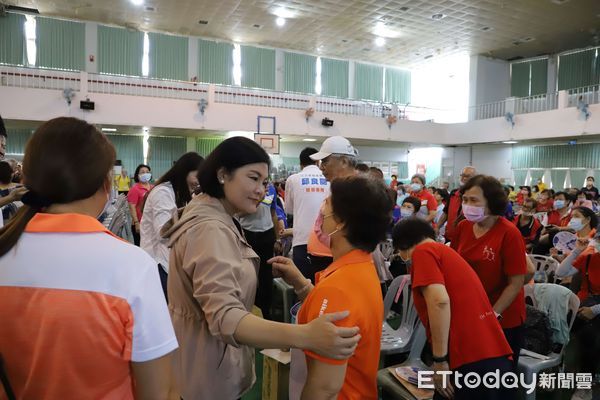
(548, 265)
(394, 341)
(389, 383)
(532, 363)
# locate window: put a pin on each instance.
(237, 65)
(146, 56)
(318, 85)
(30, 39)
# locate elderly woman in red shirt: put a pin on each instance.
(495, 250)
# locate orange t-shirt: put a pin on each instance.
(351, 283)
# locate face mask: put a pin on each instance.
(415, 187)
(324, 238)
(473, 213)
(558, 204)
(405, 213)
(145, 178)
(576, 224)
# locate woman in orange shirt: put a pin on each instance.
(349, 283)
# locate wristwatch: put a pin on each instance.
(498, 316)
(440, 359)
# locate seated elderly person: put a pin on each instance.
(544, 201)
(410, 207)
(528, 225)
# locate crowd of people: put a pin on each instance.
(174, 318)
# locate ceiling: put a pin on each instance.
(347, 29)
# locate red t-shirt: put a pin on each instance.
(427, 201)
(590, 281)
(495, 256)
(136, 197)
(475, 333)
(529, 232)
(548, 206)
(453, 211)
(555, 219)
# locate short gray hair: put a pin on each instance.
(421, 177)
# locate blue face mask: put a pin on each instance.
(558, 204)
(415, 187)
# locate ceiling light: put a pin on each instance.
(379, 41)
(309, 140)
(280, 21)
(284, 13)
(385, 31)
(438, 16)
(109, 129)
(510, 142)
(137, 2)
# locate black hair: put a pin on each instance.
(532, 202)
(177, 176)
(526, 188)
(394, 176)
(590, 177)
(443, 194)
(3, 128)
(411, 231)
(492, 189)
(362, 167)
(305, 156)
(414, 201)
(566, 195)
(535, 188)
(6, 172)
(365, 226)
(230, 154)
(376, 171)
(587, 213)
(136, 174)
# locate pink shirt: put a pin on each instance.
(136, 197)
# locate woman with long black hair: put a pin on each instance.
(172, 191)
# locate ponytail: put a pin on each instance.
(12, 231)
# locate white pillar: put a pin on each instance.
(351, 72)
(91, 47)
(279, 70)
(192, 57)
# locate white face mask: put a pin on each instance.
(415, 187)
(145, 178)
(405, 213)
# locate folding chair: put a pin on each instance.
(532, 363)
(395, 341)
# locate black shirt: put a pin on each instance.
(593, 191)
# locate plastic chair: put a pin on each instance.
(532, 363)
(386, 381)
(547, 265)
(394, 341)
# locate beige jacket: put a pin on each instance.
(212, 283)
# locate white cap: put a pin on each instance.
(335, 145)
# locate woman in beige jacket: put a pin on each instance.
(212, 283)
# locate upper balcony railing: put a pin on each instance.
(261, 97)
(38, 78)
(585, 95)
(147, 87)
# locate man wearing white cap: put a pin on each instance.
(338, 159)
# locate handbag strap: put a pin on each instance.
(4, 378)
